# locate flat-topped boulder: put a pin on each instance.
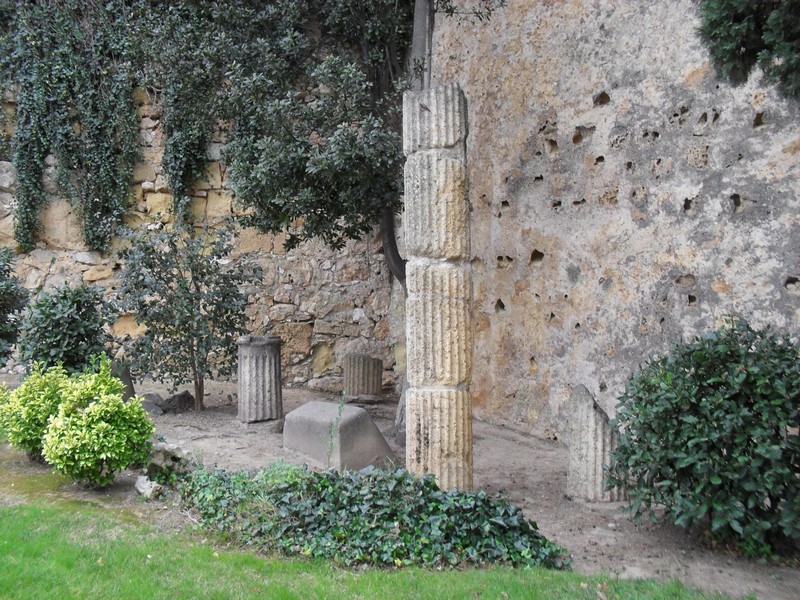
(333, 435)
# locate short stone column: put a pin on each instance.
(439, 283)
(592, 439)
(259, 372)
(363, 376)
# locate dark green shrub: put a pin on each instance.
(12, 300)
(369, 517)
(64, 325)
(741, 34)
(710, 432)
(25, 411)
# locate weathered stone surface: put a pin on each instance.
(98, 273)
(61, 227)
(436, 211)
(7, 176)
(126, 325)
(144, 172)
(159, 204)
(363, 376)
(434, 118)
(591, 442)
(439, 343)
(177, 403)
(597, 181)
(151, 402)
(439, 435)
(296, 340)
(336, 436)
(172, 457)
(259, 377)
(147, 488)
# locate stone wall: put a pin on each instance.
(324, 304)
(622, 197)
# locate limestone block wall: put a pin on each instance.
(323, 304)
(621, 197)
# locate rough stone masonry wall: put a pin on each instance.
(323, 304)
(622, 197)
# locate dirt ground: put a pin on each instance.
(531, 473)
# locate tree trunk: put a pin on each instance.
(397, 264)
(199, 391)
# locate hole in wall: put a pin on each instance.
(601, 99)
(691, 300)
(686, 280)
(687, 204)
(603, 386)
(714, 115)
(703, 118)
(536, 257)
(738, 207)
(577, 325)
(758, 120)
(577, 137)
(534, 365)
(538, 178)
(599, 160)
(792, 284)
(579, 202)
(499, 306)
(505, 204)
(629, 165)
(556, 204)
(503, 262)
(552, 147)
(552, 316)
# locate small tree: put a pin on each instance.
(181, 286)
(12, 300)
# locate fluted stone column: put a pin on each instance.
(439, 283)
(260, 396)
(363, 376)
(592, 440)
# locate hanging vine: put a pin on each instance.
(306, 93)
(71, 63)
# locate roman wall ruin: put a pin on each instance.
(622, 197)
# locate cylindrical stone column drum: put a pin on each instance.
(259, 378)
(363, 376)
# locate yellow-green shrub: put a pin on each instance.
(92, 442)
(25, 411)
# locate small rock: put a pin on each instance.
(148, 489)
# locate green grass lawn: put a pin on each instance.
(60, 549)
(80, 552)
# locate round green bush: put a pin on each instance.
(25, 411)
(711, 433)
(91, 443)
(64, 325)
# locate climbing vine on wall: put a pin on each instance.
(305, 93)
(741, 34)
(70, 64)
